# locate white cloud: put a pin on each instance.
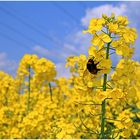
(70, 48)
(103, 9)
(62, 71)
(2, 58)
(77, 43)
(7, 65)
(40, 50)
(59, 53)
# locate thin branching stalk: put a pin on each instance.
(50, 87)
(103, 106)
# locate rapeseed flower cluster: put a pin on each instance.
(101, 101)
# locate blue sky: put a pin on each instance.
(53, 29)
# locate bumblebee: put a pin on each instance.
(91, 71)
(92, 67)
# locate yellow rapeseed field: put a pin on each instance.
(99, 100)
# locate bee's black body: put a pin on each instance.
(92, 66)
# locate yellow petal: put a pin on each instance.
(105, 38)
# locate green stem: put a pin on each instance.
(104, 101)
(29, 90)
(50, 90)
(103, 120)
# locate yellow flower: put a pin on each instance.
(106, 63)
(104, 16)
(72, 107)
(95, 25)
(122, 20)
(115, 94)
(61, 135)
(71, 61)
(113, 27)
(100, 40)
(129, 35)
